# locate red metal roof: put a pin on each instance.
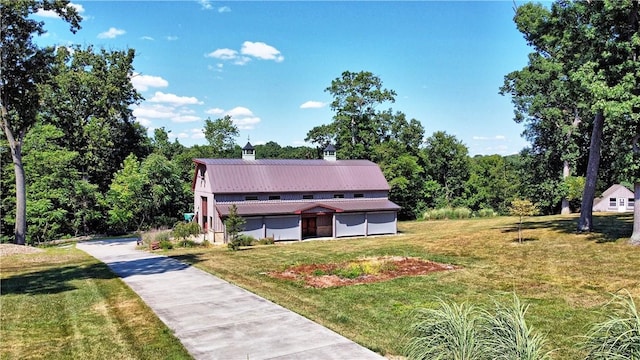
(281, 176)
(249, 208)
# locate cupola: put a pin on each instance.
(329, 153)
(248, 152)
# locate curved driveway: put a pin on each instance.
(215, 319)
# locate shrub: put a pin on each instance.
(183, 230)
(266, 241)
(161, 236)
(166, 245)
(461, 213)
(150, 236)
(619, 336)
(483, 213)
(187, 243)
(447, 213)
(241, 240)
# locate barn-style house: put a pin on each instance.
(293, 199)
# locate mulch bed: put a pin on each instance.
(401, 266)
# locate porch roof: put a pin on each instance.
(258, 208)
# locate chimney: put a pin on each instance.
(248, 152)
(329, 153)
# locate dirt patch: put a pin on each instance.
(12, 249)
(361, 271)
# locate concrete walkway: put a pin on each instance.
(215, 319)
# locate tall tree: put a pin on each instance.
(491, 184)
(221, 134)
(90, 98)
(597, 43)
(161, 144)
(355, 97)
(447, 163)
(24, 67)
(547, 102)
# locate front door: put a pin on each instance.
(309, 228)
(621, 205)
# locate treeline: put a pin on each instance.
(75, 162)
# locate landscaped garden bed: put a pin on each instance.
(361, 271)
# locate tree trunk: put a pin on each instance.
(566, 168)
(566, 208)
(635, 235)
(21, 193)
(585, 224)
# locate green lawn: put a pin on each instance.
(64, 304)
(565, 277)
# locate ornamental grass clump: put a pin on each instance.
(618, 337)
(461, 332)
(448, 332)
(507, 336)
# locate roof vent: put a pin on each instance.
(329, 153)
(248, 152)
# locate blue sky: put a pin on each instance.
(267, 63)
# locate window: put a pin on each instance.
(250, 197)
(307, 197)
(338, 196)
(202, 171)
(631, 202)
(274, 197)
(358, 195)
(612, 202)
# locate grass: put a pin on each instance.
(64, 304)
(565, 278)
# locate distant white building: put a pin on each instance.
(617, 198)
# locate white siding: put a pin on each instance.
(283, 227)
(381, 223)
(350, 225)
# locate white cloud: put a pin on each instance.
(489, 138)
(261, 50)
(206, 4)
(160, 97)
(242, 60)
(144, 82)
(224, 9)
(147, 38)
(185, 118)
(249, 51)
(246, 123)
(111, 33)
(183, 135)
(144, 122)
(241, 116)
(197, 134)
(154, 112)
(52, 14)
(239, 111)
(312, 105)
(223, 54)
(171, 38)
(215, 111)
